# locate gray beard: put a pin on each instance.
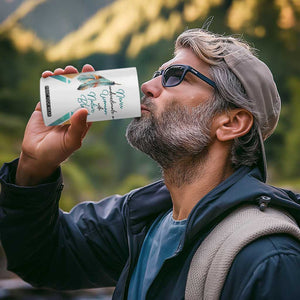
(177, 140)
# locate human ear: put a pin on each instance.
(233, 124)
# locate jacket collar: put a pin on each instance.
(146, 204)
(243, 186)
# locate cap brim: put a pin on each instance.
(262, 162)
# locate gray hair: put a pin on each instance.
(229, 94)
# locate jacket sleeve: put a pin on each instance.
(46, 247)
(268, 268)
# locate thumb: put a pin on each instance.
(77, 129)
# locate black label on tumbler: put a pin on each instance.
(47, 92)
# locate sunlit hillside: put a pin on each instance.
(36, 24)
(23, 39)
(139, 24)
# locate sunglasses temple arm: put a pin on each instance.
(204, 78)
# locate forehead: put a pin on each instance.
(186, 56)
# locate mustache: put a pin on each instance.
(146, 101)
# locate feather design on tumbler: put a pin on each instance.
(92, 80)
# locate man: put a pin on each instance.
(205, 115)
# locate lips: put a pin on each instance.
(144, 107)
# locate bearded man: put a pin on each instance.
(205, 116)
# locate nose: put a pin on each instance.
(152, 88)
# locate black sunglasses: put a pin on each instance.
(174, 75)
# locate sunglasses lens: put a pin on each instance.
(173, 75)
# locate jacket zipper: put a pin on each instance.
(129, 241)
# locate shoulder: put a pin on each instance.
(272, 248)
(263, 267)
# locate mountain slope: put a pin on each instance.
(135, 22)
(8, 7)
(75, 29)
(36, 24)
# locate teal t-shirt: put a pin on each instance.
(161, 242)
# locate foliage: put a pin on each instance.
(133, 181)
(292, 135)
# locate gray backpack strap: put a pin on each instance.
(212, 260)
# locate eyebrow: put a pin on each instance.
(168, 64)
(162, 67)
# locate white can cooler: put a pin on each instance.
(107, 95)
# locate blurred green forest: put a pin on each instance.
(106, 164)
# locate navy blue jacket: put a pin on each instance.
(98, 244)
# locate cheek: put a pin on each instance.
(195, 99)
(162, 103)
(187, 97)
(159, 108)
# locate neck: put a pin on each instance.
(191, 179)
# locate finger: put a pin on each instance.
(70, 70)
(47, 74)
(88, 68)
(58, 71)
(89, 125)
(38, 106)
(77, 129)
(36, 117)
